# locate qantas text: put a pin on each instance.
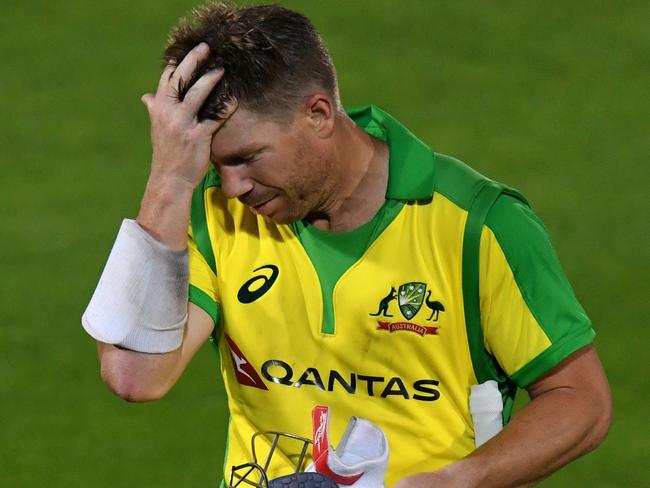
(281, 373)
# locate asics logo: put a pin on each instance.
(258, 285)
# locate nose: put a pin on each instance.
(234, 182)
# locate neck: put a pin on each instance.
(359, 184)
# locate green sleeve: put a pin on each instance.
(542, 285)
(202, 300)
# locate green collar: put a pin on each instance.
(411, 168)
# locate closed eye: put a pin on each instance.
(246, 160)
(242, 158)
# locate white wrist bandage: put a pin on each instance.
(140, 302)
(486, 407)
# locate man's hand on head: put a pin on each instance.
(181, 146)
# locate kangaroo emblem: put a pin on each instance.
(383, 305)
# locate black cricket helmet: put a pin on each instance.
(362, 451)
(255, 474)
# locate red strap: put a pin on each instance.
(320, 452)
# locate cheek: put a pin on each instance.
(304, 187)
(311, 171)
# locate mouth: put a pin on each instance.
(259, 208)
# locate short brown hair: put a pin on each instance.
(272, 57)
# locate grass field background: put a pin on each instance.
(550, 97)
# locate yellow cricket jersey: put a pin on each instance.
(392, 322)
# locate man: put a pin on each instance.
(337, 260)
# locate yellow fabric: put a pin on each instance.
(422, 245)
(511, 333)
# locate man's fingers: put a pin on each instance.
(229, 108)
(165, 76)
(200, 90)
(173, 76)
(213, 125)
(186, 68)
(147, 99)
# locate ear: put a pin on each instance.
(320, 114)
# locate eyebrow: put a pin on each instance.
(243, 153)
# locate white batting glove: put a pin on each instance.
(361, 458)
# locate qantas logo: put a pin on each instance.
(280, 373)
(245, 373)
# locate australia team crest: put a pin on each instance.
(410, 298)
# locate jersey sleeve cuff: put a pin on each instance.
(201, 299)
(551, 358)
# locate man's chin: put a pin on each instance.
(280, 216)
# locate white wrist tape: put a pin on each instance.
(486, 407)
(140, 302)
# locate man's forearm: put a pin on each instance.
(568, 416)
(548, 433)
(165, 210)
(139, 312)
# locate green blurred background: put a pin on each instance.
(550, 97)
